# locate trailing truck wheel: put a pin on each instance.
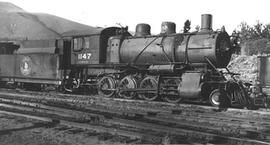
(214, 98)
(173, 98)
(150, 84)
(107, 86)
(127, 82)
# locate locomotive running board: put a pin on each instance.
(132, 90)
(55, 82)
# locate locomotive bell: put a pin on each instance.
(143, 29)
(168, 28)
(206, 22)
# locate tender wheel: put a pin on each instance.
(214, 98)
(170, 91)
(127, 82)
(107, 86)
(151, 84)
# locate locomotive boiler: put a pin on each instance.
(172, 48)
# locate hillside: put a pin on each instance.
(17, 24)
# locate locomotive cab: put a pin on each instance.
(85, 55)
(89, 48)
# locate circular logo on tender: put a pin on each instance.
(25, 65)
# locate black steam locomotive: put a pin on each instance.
(169, 66)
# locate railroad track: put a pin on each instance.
(138, 120)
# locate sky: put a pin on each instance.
(105, 13)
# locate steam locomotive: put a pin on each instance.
(169, 66)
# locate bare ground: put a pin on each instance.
(16, 130)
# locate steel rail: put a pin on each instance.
(128, 120)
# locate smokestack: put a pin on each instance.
(206, 22)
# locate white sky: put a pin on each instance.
(229, 13)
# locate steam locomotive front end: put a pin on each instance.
(200, 47)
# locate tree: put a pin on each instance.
(255, 38)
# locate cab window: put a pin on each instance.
(86, 42)
(78, 44)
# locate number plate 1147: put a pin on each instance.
(84, 56)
